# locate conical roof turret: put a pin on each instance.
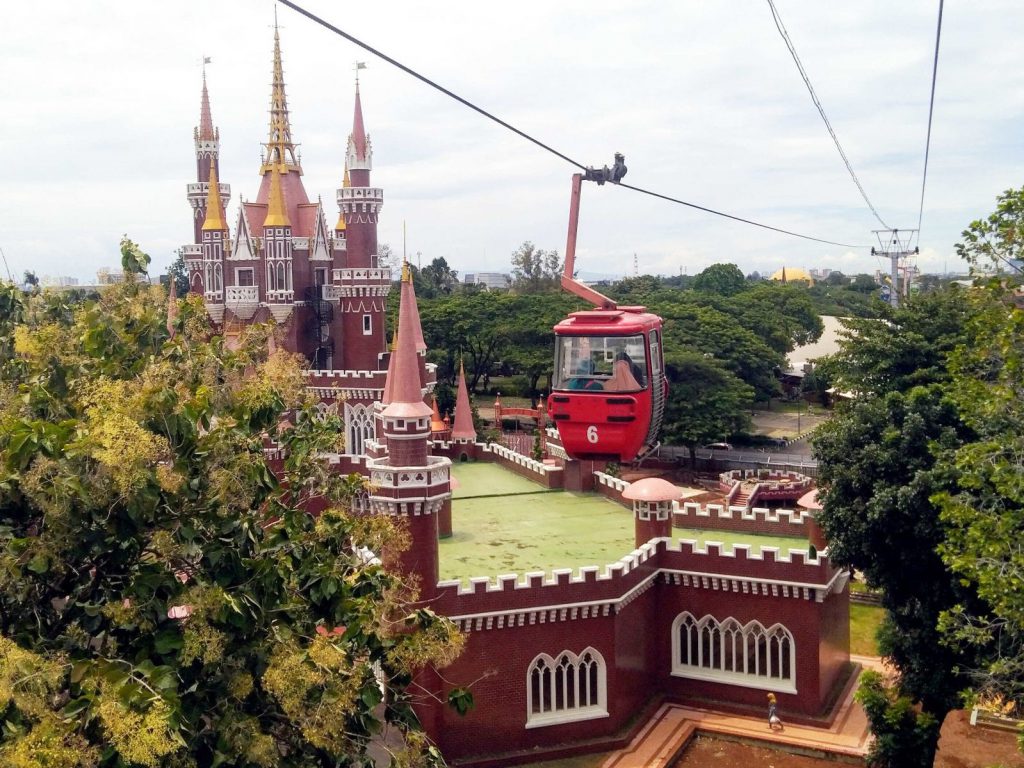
(215, 219)
(403, 383)
(277, 213)
(463, 429)
(358, 130)
(205, 130)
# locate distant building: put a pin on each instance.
(793, 275)
(490, 280)
(59, 281)
(107, 276)
(820, 274)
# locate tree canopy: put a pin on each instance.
(164, 597)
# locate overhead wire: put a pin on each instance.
(465, 102)
(821, 110)
(931, 109)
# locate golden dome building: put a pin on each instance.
(793, 275)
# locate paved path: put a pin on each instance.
(665, 736)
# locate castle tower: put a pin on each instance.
(408, 481)
(207, 148)
(363, 284)
(214, 236)
(652, 500)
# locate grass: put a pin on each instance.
(503, 523)
(864, 623)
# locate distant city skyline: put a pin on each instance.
(704, 102)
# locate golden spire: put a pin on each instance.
(345, 183)
(280, 147)
(277, 214)
(214, 208)
(406, 272)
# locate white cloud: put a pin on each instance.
(101, 98)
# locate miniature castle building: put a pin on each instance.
(463, 430)
(280, 260)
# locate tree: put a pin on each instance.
(133, 260)
(903, 736)
(880, 472)
(985, 514)
(178, 272)
(437, 279)
(996, 243)
(706, 401)
(535, 270)
(723, 279)
(30, 278)
(165, 599)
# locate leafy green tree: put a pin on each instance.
(165, 599)
(706, 401)
(904, 737)
(133, 260)
(30, 278)
(435, 279)
(880, 472)
(996, 243)
(723, 279)
(984, 515)
(178, 272)
(535, 270)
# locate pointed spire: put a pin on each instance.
(206, 132)
(403, 382)
(409, 296)
(172, 306)
(436, 424)
(463, 429)
(214, 207)
(345, 184)
(277, 214)
(358, 131)
(280, 147)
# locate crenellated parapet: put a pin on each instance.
(588, 592)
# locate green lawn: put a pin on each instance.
(502, 523)
(864, 623)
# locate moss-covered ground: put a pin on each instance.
(503, 523)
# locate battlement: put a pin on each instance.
(517, 458)
(691, 509)
(795, 574)
(340, 374)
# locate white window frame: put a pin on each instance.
(729, 643)
(560, 677)
(367, 325)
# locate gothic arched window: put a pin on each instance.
(566, 688)
(729, 652)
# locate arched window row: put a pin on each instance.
(566, 688)
(726, 651)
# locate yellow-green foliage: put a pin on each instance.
(145, 737)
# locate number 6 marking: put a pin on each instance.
(592, 434)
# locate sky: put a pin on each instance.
(100, 100)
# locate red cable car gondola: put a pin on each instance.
(609, 386)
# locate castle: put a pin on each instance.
(322, 285)
(559, 663)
